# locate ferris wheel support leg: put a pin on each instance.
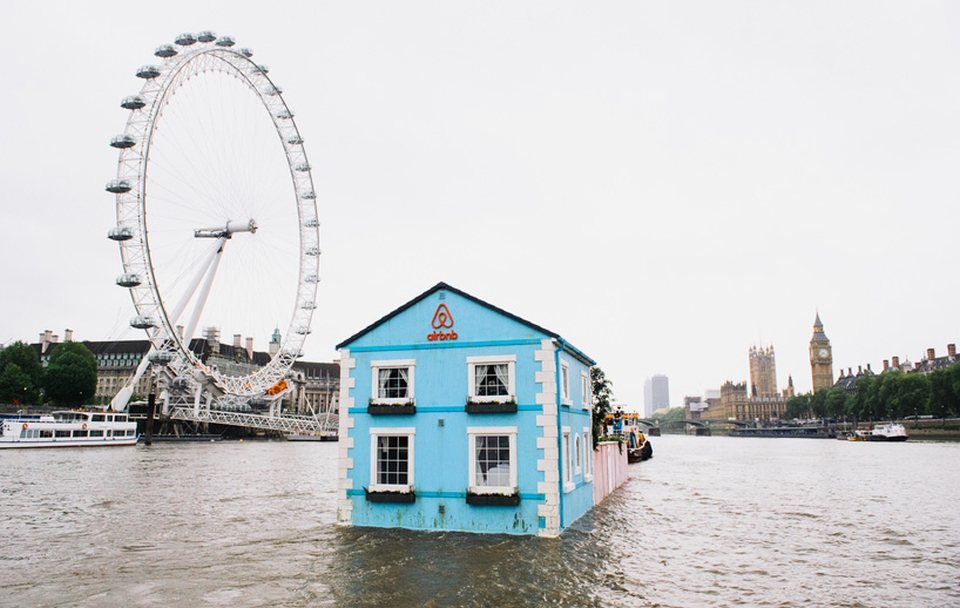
(208, 273)
(120, 400)
(197, 397)
(192, 288)
(165, 400)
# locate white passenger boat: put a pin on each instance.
(74, 428)
(880, 432)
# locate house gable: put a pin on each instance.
(444, 314)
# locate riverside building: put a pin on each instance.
(457, 415)
(315, 385)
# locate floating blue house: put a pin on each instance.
(457, 415)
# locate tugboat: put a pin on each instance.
(638, 446)
(627, 427)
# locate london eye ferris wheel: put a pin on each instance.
(216, 220)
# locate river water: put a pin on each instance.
(709, 521)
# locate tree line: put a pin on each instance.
(68, 380)
(889, 396)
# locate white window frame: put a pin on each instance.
(473, 362)
(376, 366)
(587, 454)
(577, 454)
(585, 400)
(565, 398)
(567, 455)
(375, 434)
(472, 433)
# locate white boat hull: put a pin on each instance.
(69, 442)
(66, 429)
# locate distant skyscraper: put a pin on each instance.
(656, 394)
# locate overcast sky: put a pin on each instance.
(664, 184)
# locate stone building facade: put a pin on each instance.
(763, 372)
(316, 385)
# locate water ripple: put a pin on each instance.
(708, 522)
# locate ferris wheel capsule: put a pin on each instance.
(148, 72)
(166, 50)
(132, 102)
(129, 279)
(185, 39)
(120, 233)
(161, 356)
(142, 322)
(124, 140)
(225, 41)
(119, 186)
(206, 36)
(246, 52)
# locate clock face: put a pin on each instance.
(823, 353)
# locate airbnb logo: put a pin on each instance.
(442, 319)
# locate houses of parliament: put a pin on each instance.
(761, 400)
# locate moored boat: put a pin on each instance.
(627, 427)
(639, 447)
(880, 432)
(305, 436)
(73, 428)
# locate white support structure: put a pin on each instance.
(323, 424)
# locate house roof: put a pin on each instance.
(443, 286)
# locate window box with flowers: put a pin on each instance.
(491, 407)
(391, 409)
(493, 500)
(391, 496)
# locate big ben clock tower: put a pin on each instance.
(821, 357)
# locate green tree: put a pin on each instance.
(944, 392)
(672, 415)
(602, 397)
(71, 378)
(818, 403)
(798, 406)
(14, 385)
(836, 402)
(22, 383)
(866, 403)
(914, 395)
